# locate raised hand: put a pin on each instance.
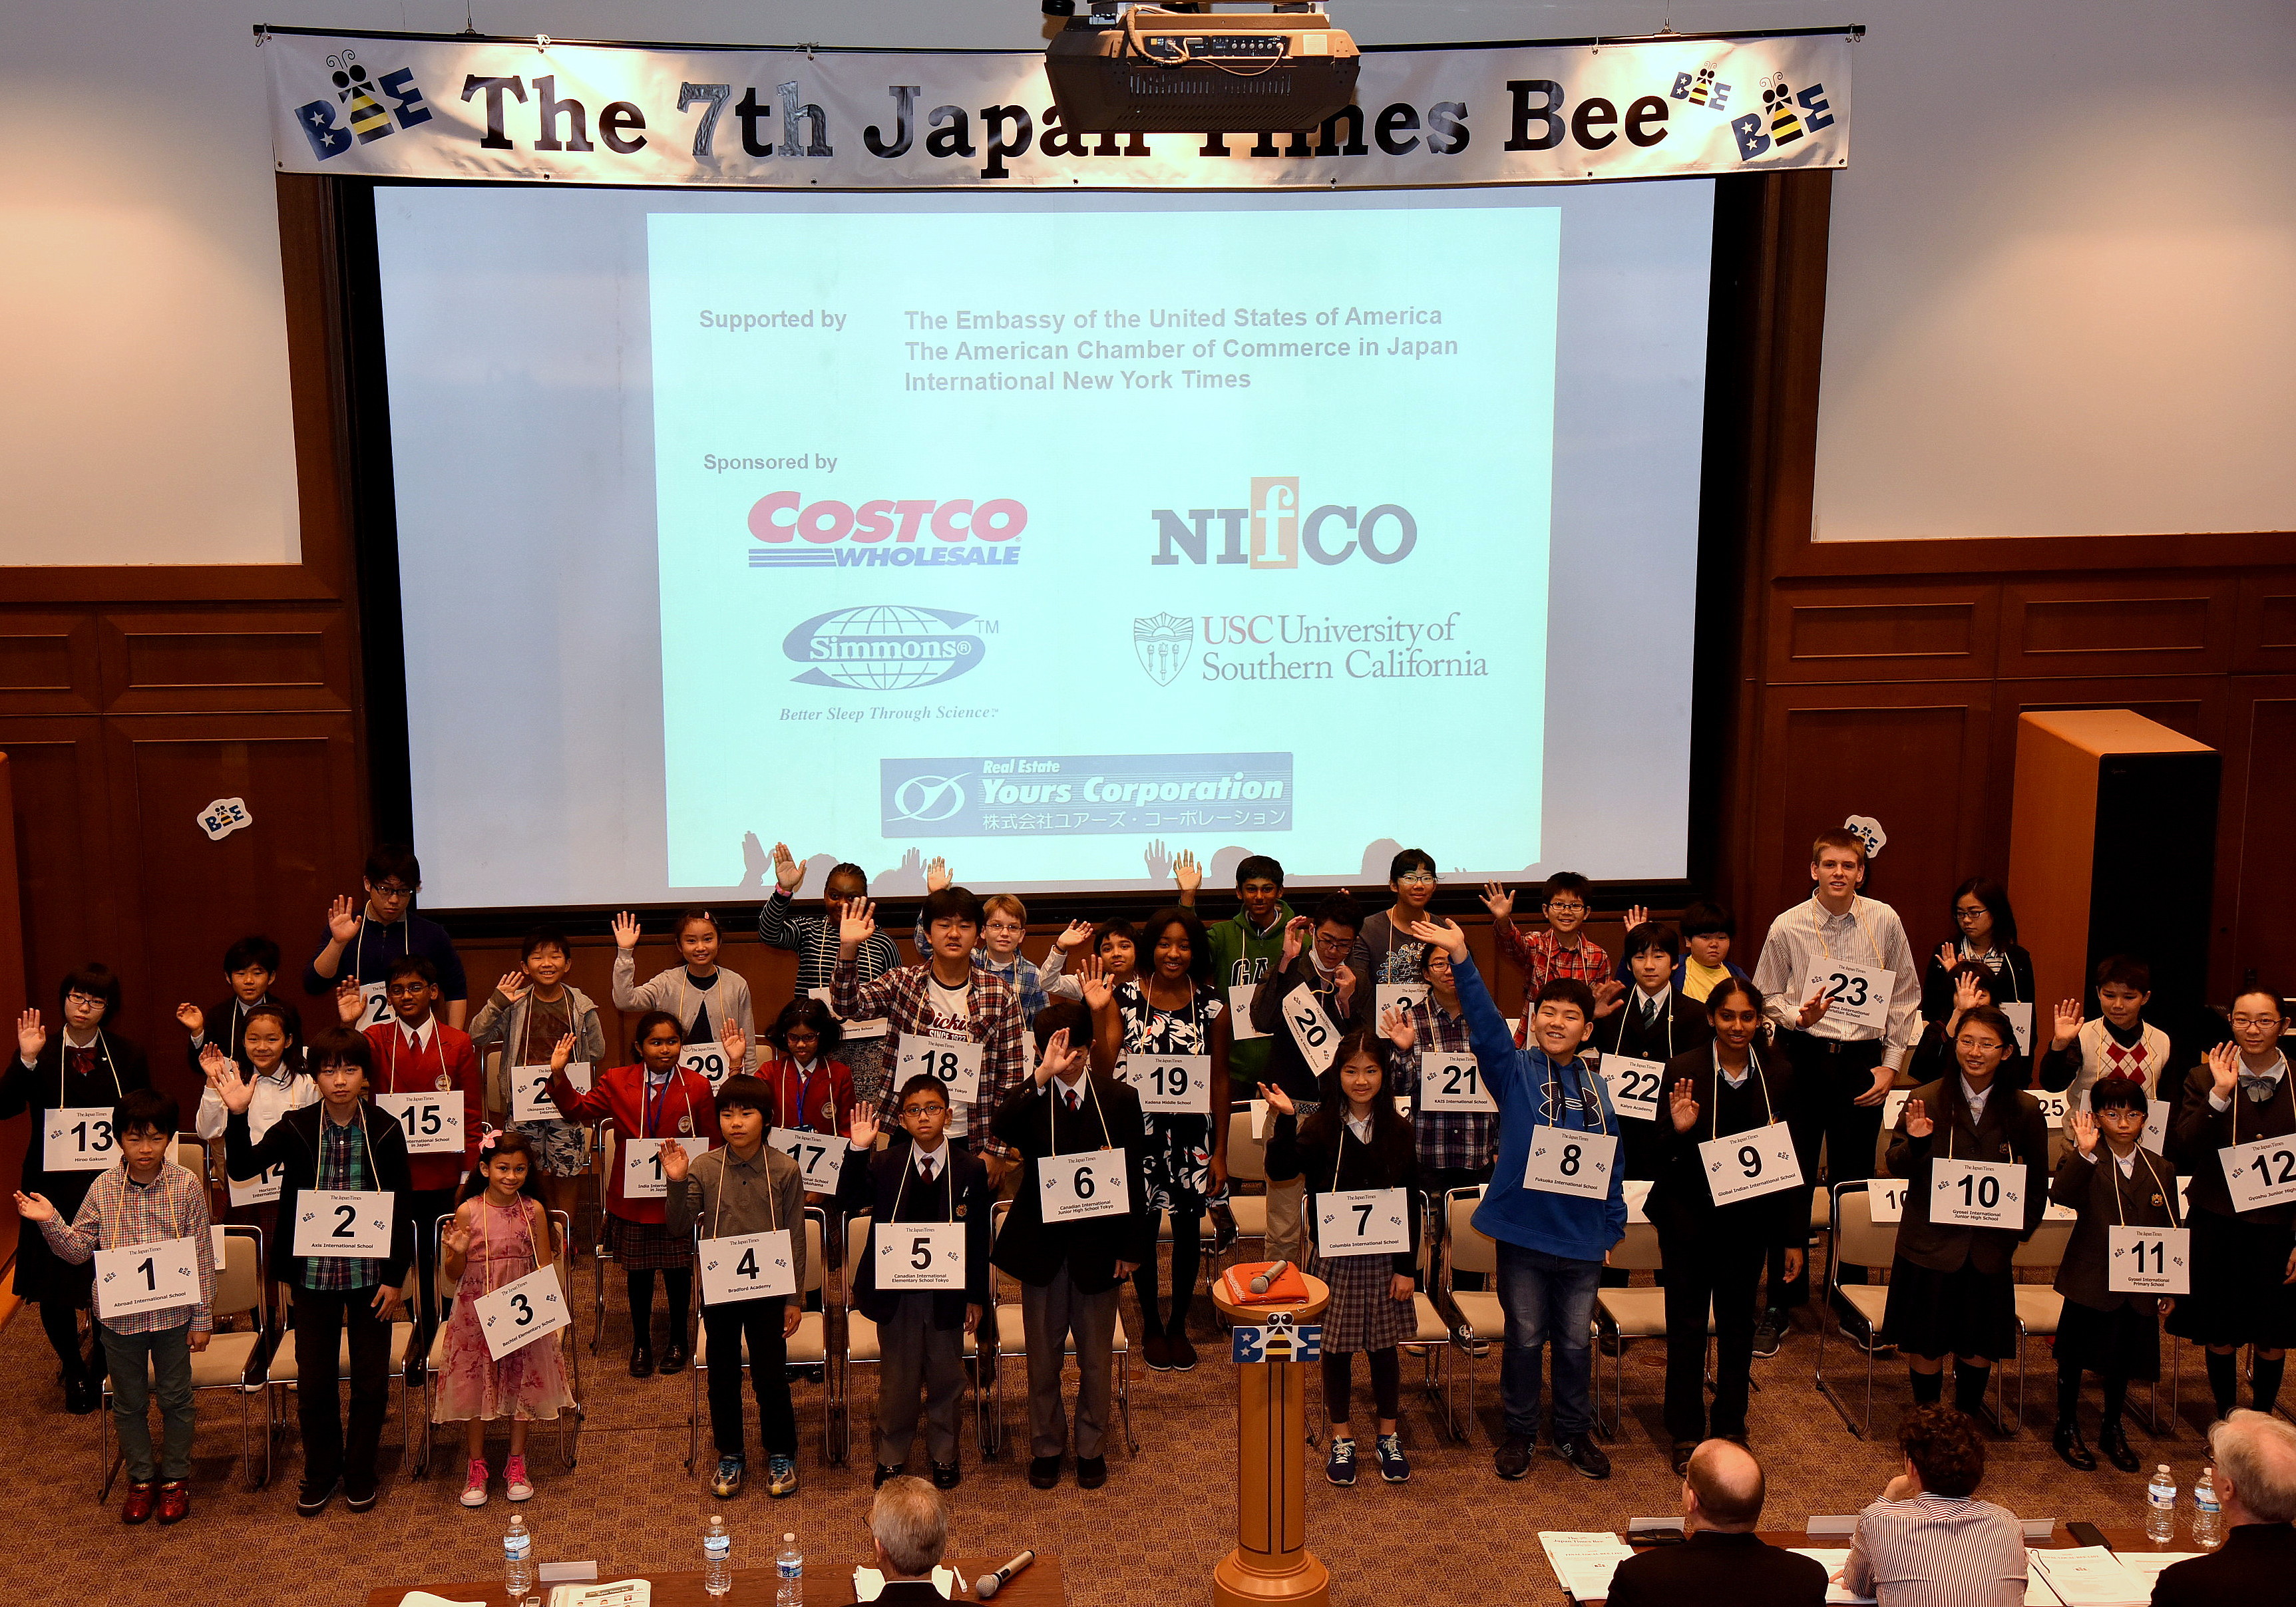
(1091, 981)
(1074, 936)
(626, 931)
(1966, 994)
(1396, 1026)
(1918, 1124)
(863, 1131)
(31, 1035)
(936, 873)
(343, 920)
(1636, 915)
(2082, 1126)
(1187, 872)
(1444, 935)
(223, 1079)
(1056, 1058)
(2223, 1062)
(458, 1238)
(212, 1059)
(675, 1162)
(351, 1003)
(1497, 900)
(1278, 1100)
(1947, 956)
(514, 985)
(561, 1052)
(1813, 1010)
(2069, 1024)
(1299, 931)
(192, 1018)
(35, 1208)
(788, 871)
(1610, 992)
(737, 1044)
(856, 923)
(1682, 1105)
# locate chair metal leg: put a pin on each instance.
(1124, 1400)
(693, 1415)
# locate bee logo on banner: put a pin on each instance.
(1787, 114)
(367, 118)
(1701, 89)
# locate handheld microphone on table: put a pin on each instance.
(988, 1584)
(1261, 1281)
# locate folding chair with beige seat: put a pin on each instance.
(2039, 1305)
(569, 1419)
(232, 1361)
(808, 1347)
(1859, 1241)
(861, 1348)
(192, 1155)
(1247, 1162)
(283, 1374)
(604, 1146)
(1478, 1319)
(1013, 1340)
(1628, 1313)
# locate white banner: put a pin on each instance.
(409, 106)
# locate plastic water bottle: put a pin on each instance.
(2160, 1505)
(717, 1559)
(518, 1558)
(2208, 1517)
(789, 1564)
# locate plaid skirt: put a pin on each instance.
(1361, 1316)
(647, 1246)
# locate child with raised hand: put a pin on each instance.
(652, 1100)
(501, 1231)
(812, 1089)
(530, 1009)
(1355, 1141)
(2119, 1039)
(250, 966)
(1987, 926)
(144, 1200)
(1972, 989)
(812, 939)
(1003, 926)
(705, 997)
(1114, 943)
(268, 1054)
(1563, 950)
(365, 942)
(2110, 1180)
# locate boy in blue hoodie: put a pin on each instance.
(1555, 1205)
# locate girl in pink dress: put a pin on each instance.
(500, 1234)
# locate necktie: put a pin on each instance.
(1074, 1102)
(927, 1166)
(1649, 1012)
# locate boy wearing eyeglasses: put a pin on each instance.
(363, 944)
(1563, 950)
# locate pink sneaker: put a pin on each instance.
(514, 1476)
(474, 1490)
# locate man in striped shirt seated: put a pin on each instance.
(1928, 1542)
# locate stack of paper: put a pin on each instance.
(2147, 1565)
(1583, 1562)
(1833, 1563)
(2089, 1576)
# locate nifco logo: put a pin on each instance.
(1270, 534)
(882, 532)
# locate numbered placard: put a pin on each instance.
(1392, 995)
(1893, 1105)
(1362, 1222)
(820, 1156)
(529, 1091)
(374, 1007)
(2148, 1260)
(147, 1278)
(1885, 1199)
(1563, 1160)
(1239, 1011)
(2019, 1012)
(1634, 1084)
(1978, 1193)
(2054, 1106)
(707, 1061)
(79, 1139)
(1744, 1164)
(875, 1028)
(919, 1255)
(262, 1189)
(2259, 1173)
(521, 1311)
(1178, 1085)
(1315, 1033)
(956, 1062)
(2155, 1137)
(432, 1122)
(747, 1266)
(1858, 996)
(1089, 1183)
(355, 1223)
(1450, 1080)
(642, 1178)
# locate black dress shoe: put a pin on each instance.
(81, 1396)
(361, 1499)
(2114, 1444)
(946, 1475)
(673, 1356)
(1092, 1472)
(312, 1499)
(883, 1473)
(2074, 1451)
(641, 1360)
(1044, 1472)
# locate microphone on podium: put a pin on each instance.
(1261, 1281)
(988, 1584)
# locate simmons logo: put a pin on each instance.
(1271, 535)
(840, 536)
(884, 647)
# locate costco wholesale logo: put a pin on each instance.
(884, 647)
(829, 533)
(1271, 535)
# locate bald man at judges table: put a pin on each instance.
(1722, 1562)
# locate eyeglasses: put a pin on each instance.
(920, 1110)
(1416, 879)
(1565, 907)
(86, 1000)
(391, 889)
(2258, 1020)
(1978, 914)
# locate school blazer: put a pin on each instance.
(1682, 1029)
(872, 1182)
(2013, 1132)
(617, 1095)
(1680, 1201)
(292, 1144)
(2196, 1133)
(1034, 1252)
(2147, 1200)
(1390, 1160)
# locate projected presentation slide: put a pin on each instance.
(1049, 535)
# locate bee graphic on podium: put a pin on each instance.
(1778, 102)
(1280, 1339)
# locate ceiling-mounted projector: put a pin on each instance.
(1158, 69)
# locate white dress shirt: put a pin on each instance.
(1868, 933)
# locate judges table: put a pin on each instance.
(2120, 1539)
(826, 1585)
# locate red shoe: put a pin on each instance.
(139, 1502)
(175, 1501)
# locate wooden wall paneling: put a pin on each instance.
(2266, 632)
(1912, 756)
(14, 992)
(1927, 632)
(2256, 857)
(266, 659)
(64, 852)
(48, 661)
(2165, 624)
(191, 898)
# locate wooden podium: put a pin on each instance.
(1271, 1562)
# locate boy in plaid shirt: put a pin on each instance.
(1455, 1147)
(1561, 950)
(144, 1200)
